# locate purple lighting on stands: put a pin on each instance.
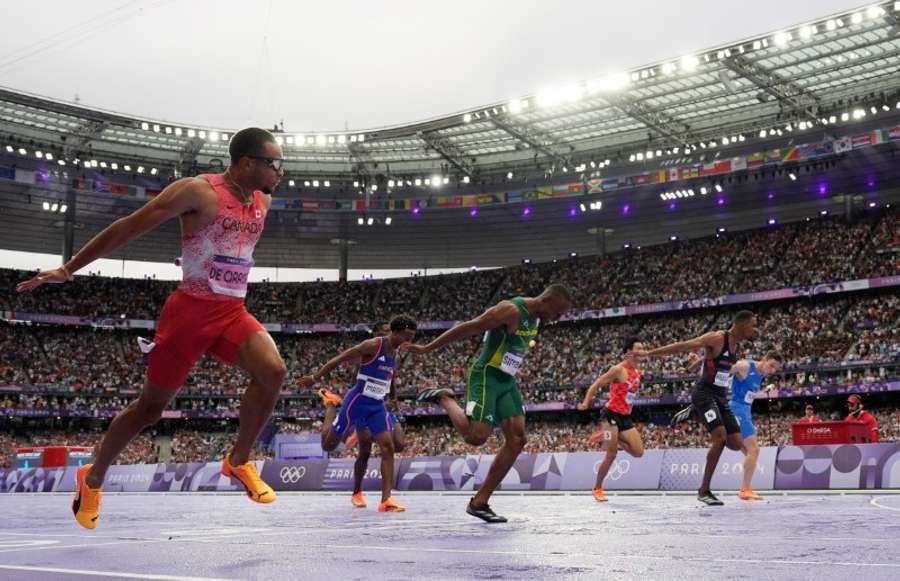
(870, 182)
(573, 211)
(720, 202)
(772, 221)
(526, 211)
(771, 196)
(626, 208)
(473, 212)
(671, 206)
(823, 189)
(416, 211)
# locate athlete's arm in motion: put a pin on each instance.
(178, 198)
(616, 373)
(502, 314)
(694, 362)
(741, 369)
(360, 352)
(707, 341)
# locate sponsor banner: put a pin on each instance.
(682, 469)
(854, 466)
(35, 480)
(578, 470)
(305, 475)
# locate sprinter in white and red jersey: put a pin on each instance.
(222, 218)
(616, 426)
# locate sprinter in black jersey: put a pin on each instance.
(709, 399)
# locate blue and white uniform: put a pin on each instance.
(363, 406)
(743, 392)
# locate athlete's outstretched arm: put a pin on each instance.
(614, 373)
(706, 340)
(178, 198)
(502, 314)
(741, 369)
(362, 351)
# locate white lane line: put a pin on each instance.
(117, 574)
(874, 502)
(570, 556)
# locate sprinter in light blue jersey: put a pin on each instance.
(747, 376)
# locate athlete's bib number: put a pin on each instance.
(630, 396)
(723, 379)
(512, 362)
(749, 396)
(374, 387)
(228, 275)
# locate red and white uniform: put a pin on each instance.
(207, 313)
(621, 395)
(868, 419)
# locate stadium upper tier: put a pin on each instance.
(812, 76)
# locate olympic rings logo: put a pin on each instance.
(618, 469)
(292, 474)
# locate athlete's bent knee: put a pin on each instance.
(637, 453)
(148, 413)
(475, 440)
(517, 442)
(734, 442)
(273, 375)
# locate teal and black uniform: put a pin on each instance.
(492, 393)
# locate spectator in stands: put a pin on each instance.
(809, 415)
(858, 414)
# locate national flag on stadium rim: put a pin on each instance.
(755, 160)
(530, 195)
(450, 202)
(310, 205)
(516, 196)
(610, 184)
(791, 154)
(880, 136)
(640, 179)
(661, 176)
(862, 141)
(674, 174)
(738, 163)
(469, 201)
(486, 199)
(773, 156)
(690, 172)
(843, 144)
(328, 205)
(118, 189)
(716, 167)
(594, 186)
(556, 192)
(894, 133)
(359, 205)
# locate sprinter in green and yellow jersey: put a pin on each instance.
(492, 394)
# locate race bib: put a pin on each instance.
(723, 379)
(228, 275)
(749, 396)
(512, 361)
(374, 387)
(630, 397)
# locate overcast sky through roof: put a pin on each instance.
(355, 63)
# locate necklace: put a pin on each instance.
(243, 198)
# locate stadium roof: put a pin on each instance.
(827, 78)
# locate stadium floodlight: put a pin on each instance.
(331, 140)
(10, 149)
(168, 130)
(845, 116)
(145, 126)
(725, 141)
(649, 155)
(63, 208)
(306, 183)
(23, 151)
(315, 183)
(326, 183)
(792, 176)
(114, 165)
(46, 206)
(446, 180)
(154, 171)
(418, 181)
(669, 68)
(201, 134)
(673, 237)
(61, 161)
(509, 175)
(782, 38)
(374, 187)
(874, 12)
(427, 181)
(127, 167)
(391, 183)
(832, 119)
(39, 154)
(191, 133)
(703, 191)
(291, 183)
(856, 18)
(370, 221)
(342, 139)
(321, 140)
(806, 32)
(514, 106)
(360, 220)
(224, 137)
(156, 128)
(772, 221)
(436, 181)
(859, 113)
(279, 140)
(639, 156)
(388, 220)
(54, 207)
(178, 132)
(140, 169)
(467, 118)
(466, 179)
(689, 63)
(213, 135)
(873, 110)
(631, 157)
(718, 188)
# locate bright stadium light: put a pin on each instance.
(63, 208)
(54, 207)
(140, 169)
(418, 181)
(10, 149)
(856, 18)
(213, 135)
(514, 106)
(436, 181)
(291, 183)
(127, 167)
(370, 221)
(874, 12)
(46, 206)
(467, 118)
(326, 183)
(806, 32)
(509, 175)
(466, 179)
(360, 220)
(689, 63)
(145, 126)
(315, 183)
(781, 38)
(859, 113)
(388, 220)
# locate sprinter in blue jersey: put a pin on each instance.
(747, 376)
(363, 406)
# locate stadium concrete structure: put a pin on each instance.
(777, 127)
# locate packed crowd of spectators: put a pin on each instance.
(798, 254)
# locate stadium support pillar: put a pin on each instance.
(344, 258)
(68, 247)
(848, 208)
(600, 235)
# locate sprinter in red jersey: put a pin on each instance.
(222, 218)
(616, 426)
